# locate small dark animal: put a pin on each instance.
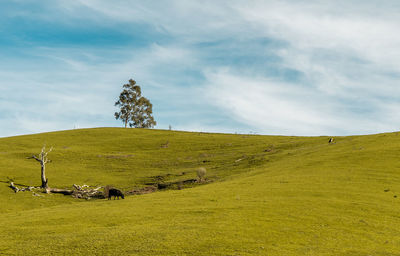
(331, 140)
(116, 193)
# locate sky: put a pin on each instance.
(287, 67)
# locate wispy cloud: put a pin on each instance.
(275, 107)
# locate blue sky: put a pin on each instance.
(266, 67)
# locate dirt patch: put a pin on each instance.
(270, 148)
(175, 185)
(160, 182)
(141, 191)
(161, 178)
(165, 145)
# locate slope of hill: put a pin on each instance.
(266, 195)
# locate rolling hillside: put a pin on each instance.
(264, 195)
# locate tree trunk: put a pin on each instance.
(43, 160)
(44, 180)
(126, 122)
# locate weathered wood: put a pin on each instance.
(43, 175)
(43, 160)
(77, 187)
(84, 191)
(14, 187)
(30, 188)
(61, 191)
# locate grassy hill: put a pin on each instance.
(265, 195)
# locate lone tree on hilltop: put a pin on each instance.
(135, 110)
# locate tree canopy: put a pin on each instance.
(135, 109)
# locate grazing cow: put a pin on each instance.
(116, 193)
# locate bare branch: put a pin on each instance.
(44, 154)
(34, 157)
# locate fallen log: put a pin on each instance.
(60, 191)
(84, 191)
(30, 188)
(14, 187)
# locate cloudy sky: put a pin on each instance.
(267, 67)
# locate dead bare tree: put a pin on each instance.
(84, 191)
(43, 160)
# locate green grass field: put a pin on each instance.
(264, 195)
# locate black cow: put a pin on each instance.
(116, 193)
